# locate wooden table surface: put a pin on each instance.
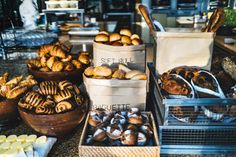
(230, 48)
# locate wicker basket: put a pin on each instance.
(115, 151)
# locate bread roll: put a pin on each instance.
(117, 43)
(114, 37)
(101, 38)
(77, 64)
(136, 41)
(134, 36)
(125, 32)
(68, 66)
(124, 68)
(125, 40)
(45, 49)
(50, 62)
(139, 77)
(102, 71)
(57, 66)
(132, 73)
(104, 32)
(89, 71)
(67, 59)
(43, 61)
(119, 74)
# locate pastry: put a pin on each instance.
(102, 71)
(51, 61)
(45, 49)
(142, 139)
(139, 77)
(68, 66)
(136, 42)
(99, 135)
(34, 63)
(44, 110)
(65, 85)
(62, 95)
(77, 64)
(67, 59)
(114, 131)
(57, 66)
(63, 106)
(101, 38)
(44, 69)
(48, 103)
(15, 92)
(48, 83)
(58, 52)
(104, 32)
(119, 74)
(124, 68)
(114, 37)
(129, 138)
(48, 89)
(25, 105)
(89, 71)
(34, 99)
(125, 40)
(43, 61)
(84, 58)
(76, 89)
(4, 78)
(125, 32)
(117, 43)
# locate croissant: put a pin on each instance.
(43, 61)
(67, 59)
(63, 95)
(58, 52)
(84, 58)
(57, 66)
(3, 78)
(34, 63)
(10, 85)
(27, 82)
(44, 69)
(45, 49)
(44, 110)
(50, 62)
(15, 80)
(25, 105)
(63, 106)
(15, 92)
(68, 66)
(77, 64)
(65, 85)
(48, 90)
(34, 99)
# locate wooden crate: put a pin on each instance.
(119, 151)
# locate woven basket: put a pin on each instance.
(115, 151)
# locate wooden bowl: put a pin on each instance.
(8, 111)
(56, 124)
(74, 76)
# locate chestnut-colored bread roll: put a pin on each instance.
(125, 40)
(114, 37)
(63, 106)
(57, 66)
(65, 85)
(119, 74)
(102, 71)
(77, 64)
(34, 63)
(104, 32)
(51, 61)
(89, 71)
(117, 43)
(84, 58)
(125, 32)
(101, 38)
(57, 52)
(63, 95)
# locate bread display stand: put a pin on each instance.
(183, 47)
(112, 151)
(134, 56)
(114, 95)
(204, 134)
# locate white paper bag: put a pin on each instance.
(183, 47)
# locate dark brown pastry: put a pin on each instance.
(63, 106)
(25, 105)
(48, 89)
(63, 95)
(44, 110)
(34, 99)
(65, 85)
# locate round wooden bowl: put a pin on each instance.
(8, 111)
(74, 76)
(56, 124)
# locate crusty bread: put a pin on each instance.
(125, 40)
(114, 37)
(132, 73)
(102, 71)
(101, 38)
(125, 32)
